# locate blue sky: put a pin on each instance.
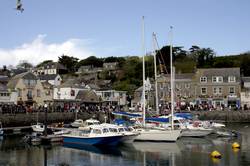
(81, 28)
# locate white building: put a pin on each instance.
(113, 97)
(53, 79)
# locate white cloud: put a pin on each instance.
(38, 50)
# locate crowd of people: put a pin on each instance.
(16, 109)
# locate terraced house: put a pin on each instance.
(218, 87)
(28, 88)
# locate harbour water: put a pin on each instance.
(185, 152)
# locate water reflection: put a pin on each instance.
(185, 152)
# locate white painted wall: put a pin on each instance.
(245, 98)
(65, 93)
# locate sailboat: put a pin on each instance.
(38, 127)
(153, 134)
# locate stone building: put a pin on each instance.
(218, 87)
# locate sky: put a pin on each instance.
(82, 28)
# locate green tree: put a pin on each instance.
(44, 63)
(24, 64)
(92, 61)
(69, 62)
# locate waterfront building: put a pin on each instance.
(218, 87)
(184, 89)
(28, 88)
(245, 93)
(113, 97)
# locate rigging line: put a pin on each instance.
(161, 61)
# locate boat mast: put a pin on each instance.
(171, 79)
(143, 74)
(156, 86)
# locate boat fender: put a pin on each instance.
(236, 145)
(216, 154)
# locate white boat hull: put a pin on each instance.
(38, 128)
(158, 135)
(195, 132)
(128, 139)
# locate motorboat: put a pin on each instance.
(92, 135)
(128, 136)
(77, 123)
(39, 127)
(188, 127)
(80, 123)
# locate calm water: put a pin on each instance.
(185, 152)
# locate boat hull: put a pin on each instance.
(195, 133)
(128, 139)
(158, 135)
(112, 140)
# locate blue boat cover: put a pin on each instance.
(154, 119)
(184, 115)
(126, 114)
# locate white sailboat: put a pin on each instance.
(153, 134)
(38, 127)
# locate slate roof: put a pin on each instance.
(27, 75)
(47, 76)
(47, 85)
(93, 86)
(3, 87)
(73, 83)
(225, 72)
(53, 65)
(245, 79)
(88, 96)
(18, 71)
(4, 79)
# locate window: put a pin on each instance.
(231, 79)
(38, 93)
(187, 85)
(203, 79)
(217, 90)
(29, 94)
(203, 91)
(161, 85)
(19, 93)
(232, 90)
(217, 79)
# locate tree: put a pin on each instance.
(24, 64)
(92, 61)
(44, 63)
(205, 57)
(245, 65)
(68, 62)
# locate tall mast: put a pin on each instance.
(171, 78)
(156, 86)
(143, 73)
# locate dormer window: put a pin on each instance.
(217, 79)
(203, 79)
(231, 79)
